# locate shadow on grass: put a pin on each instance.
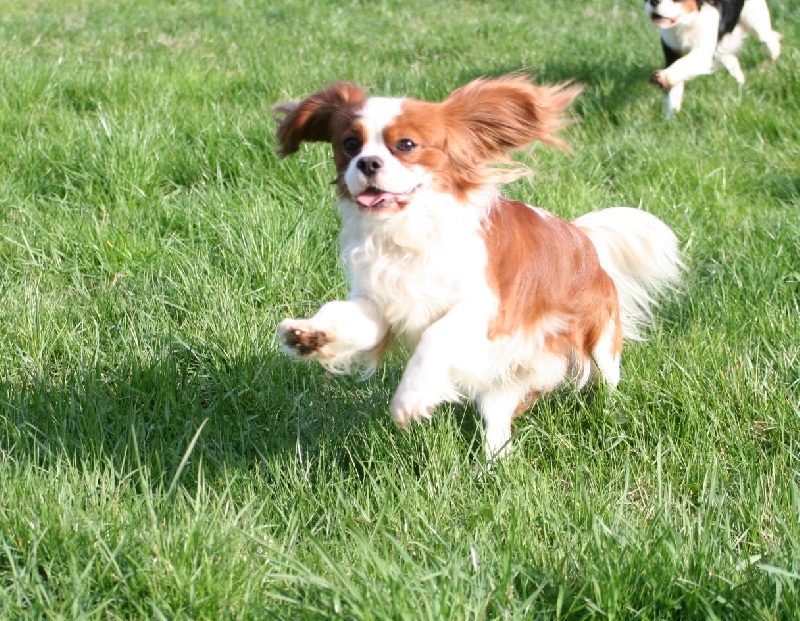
(611, 85)
(252, 413)
(248, 414)
(781, 188)
(182, 417)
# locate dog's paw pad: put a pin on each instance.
(302, 339)
(659, 79)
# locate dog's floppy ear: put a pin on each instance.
(497, 116)
(311, 119)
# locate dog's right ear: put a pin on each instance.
(312, 119)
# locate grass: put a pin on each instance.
(160, 459)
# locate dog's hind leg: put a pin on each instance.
(756, 22)
(605, 355)
(728, 49)
(731, 63)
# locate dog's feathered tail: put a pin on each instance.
(642, 256)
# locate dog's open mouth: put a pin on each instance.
(376, 198)
(661, 21)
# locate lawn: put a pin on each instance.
(160, 459)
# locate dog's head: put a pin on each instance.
(387, 150)
(667, 13)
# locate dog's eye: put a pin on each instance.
(351, 145)
(405, 145)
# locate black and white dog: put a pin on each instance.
(698, 35)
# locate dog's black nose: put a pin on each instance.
(369, 165)
(654, 3)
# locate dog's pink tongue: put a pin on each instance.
(660, 20)
(371, 197)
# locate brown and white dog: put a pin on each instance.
(497, 301)
(699, 35)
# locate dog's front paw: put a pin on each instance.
(660, 79)
(298, 337)
(406, 408)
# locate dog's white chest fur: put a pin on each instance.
(682, 38)
(417, 265)
(693, 31)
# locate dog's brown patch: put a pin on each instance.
(542, 269)
(486, 120)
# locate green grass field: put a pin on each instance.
(159, 459)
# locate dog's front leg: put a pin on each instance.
(453, 345)
(340, 334)
(673, 78)
(694, 64)
(673, 100)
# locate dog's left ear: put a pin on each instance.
(312, 119)
(506, 114)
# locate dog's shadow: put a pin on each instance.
(160, 421)
(185, 416)
(611, 87)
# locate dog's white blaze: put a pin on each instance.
(378, 113)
